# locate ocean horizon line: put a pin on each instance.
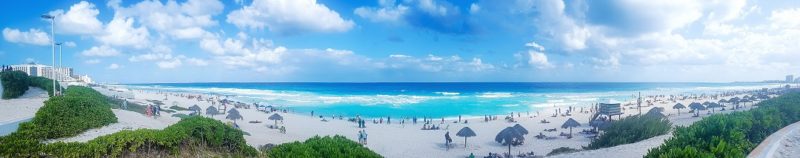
(326, 82)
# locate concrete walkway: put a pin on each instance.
(783, 143)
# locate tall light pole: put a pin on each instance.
(53, 42)
(60, 68)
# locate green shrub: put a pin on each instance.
(562, 150)
(336, 146)
(731, 135)
(194, 135)
(65, 116)
(14, 83)
(178, 108)
(631, 129)
(43, 83)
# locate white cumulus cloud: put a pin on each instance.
(32, 36)
(80, 19)
(289, 17)
(102, 51)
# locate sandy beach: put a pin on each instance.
(405, 140)
(24, 107)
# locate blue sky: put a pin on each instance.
(410, 40)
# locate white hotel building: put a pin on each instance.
(64, 74)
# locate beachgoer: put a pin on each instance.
(125, 104)
(365, 136)
(147, 110)
(360, 137)
(447, 139)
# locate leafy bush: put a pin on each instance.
(336, 146)
(43, 83)
(562, 150)
(191, 136)
(731, 135)
(69, 115)
(631, 129)
(178, 108)
(14, 83)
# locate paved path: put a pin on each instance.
(783, 143)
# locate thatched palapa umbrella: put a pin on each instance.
(656, 111)
(696, 107)
(466, 132)
(712, 106)
(275, 117)
(570, 124)
(234, 115)
(679, 106)
(521, 129)
(509, 136)
(211, 110)
(195, 109)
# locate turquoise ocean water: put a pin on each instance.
(438, 99)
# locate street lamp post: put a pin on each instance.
(53, 42)
(60, 67)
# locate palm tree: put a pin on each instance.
(509, 136)
(465, 132)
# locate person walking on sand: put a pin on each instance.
(365, 136)
(447, 140)
(360, 138)
(147, 110)
(156, 110)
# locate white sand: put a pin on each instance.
(126, 120)
(396, 140)
(24, 107)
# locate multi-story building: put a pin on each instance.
(789, 78)
(33, 69)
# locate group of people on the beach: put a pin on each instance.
(152, 110)
(362, 137)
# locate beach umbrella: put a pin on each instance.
(735, 102)
(679, 106)
(599, 124)
(712, 106)
(696, 107)
(509, 136)
(466, 132)
(211, 110)
(521, 129)
(570, 124)
(275, 117)
(234, 115)
(195, 109)
(656, 111)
